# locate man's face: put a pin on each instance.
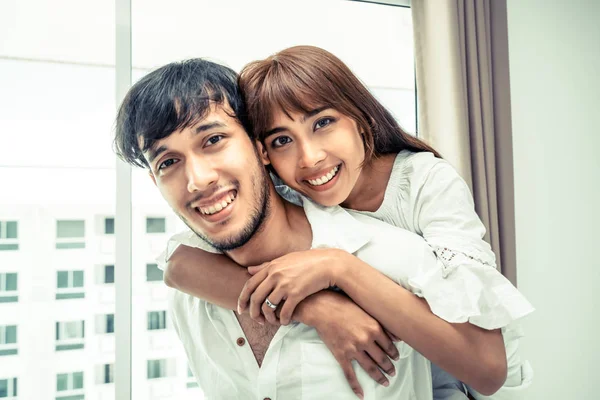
(212, 177)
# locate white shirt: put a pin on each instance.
(297, 364)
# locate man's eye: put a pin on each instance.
(214, 140)
(167, 163)
(323, 122)
(281, 141)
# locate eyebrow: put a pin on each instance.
(309, 114)
(155, 152)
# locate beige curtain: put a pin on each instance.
(461, 56)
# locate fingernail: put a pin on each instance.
(360, 395)
(386, 383)
(396, 358)
(393, 373)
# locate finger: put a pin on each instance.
(351, 376)
(248, 289)
(371, 368)
(381, 359)
(393, 337)
(270, 313)
(385, 342)
(253, 270)
(257, 298)
(287, 310)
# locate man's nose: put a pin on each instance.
(311, 155)
(201, 174)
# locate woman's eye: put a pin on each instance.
(280, 141)
(323, 122)
(166, 163)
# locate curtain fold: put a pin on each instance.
(461, 56)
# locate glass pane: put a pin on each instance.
(155, 225)
(77, 278)
(57, 109)
(110, 323)
(70, 229)
(153, 273)
(78, 380)
(3, 387)
(11, 230)
(109, 226)
(109, 274)
(11, 281)
(62, 279)
(10, 334)
(62, 382)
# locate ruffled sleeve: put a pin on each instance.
(465, 285)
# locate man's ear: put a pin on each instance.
(264, 157)
(152, 176)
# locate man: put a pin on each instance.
(185, 122)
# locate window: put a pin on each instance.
(8, 388)
(8, 340)
(105, 374)
(70, 234)
(70, 335)
(105, 323)
(69, 381)
(153, 273)
(9, 235)
(157, 320)
(8, 287)
(191, 382)
(109, 226)
(69, 285)
(161, 368)
(109, 274)
(155, 225)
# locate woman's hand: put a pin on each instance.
(351, 334)
(288, 280)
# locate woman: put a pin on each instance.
(329, 139)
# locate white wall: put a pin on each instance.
(554, 49)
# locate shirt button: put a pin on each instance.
(240, 342)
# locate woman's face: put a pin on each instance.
(318, 154)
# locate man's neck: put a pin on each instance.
(286, 229)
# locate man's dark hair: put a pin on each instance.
(173, 97)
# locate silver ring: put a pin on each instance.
(270, 305)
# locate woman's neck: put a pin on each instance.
(369, 191)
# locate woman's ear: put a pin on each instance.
(262, 152)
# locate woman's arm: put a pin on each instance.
(473, 355)
(211, 277)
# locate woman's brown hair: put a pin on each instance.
(303, 78)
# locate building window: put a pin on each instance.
(153, 273)
(161, 368)
(105, 374)
(109, 274)
(9, 235)
(69, 381)
(105, 323)
(109, 226)
(155, 225)
(8, 287)
(8, 340)
(8, 388)
(70, 335)
(69, 285)
(191, 382)
(70, 234)
(157, 320)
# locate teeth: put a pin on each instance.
(324, 179)
(218, 206)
